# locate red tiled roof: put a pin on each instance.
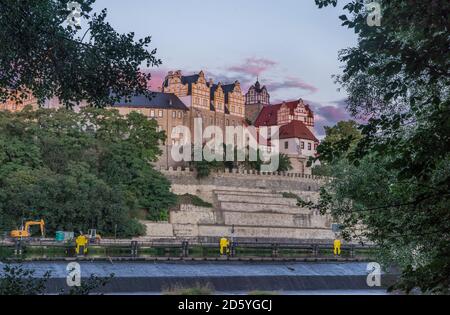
(296, 129)
(269, 114)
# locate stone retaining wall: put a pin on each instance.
(250, 203)
(189, 214)
(266, 232)
(159, 229)
(279, 220)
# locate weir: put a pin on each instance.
(132, 277)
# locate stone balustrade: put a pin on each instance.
(226, 172)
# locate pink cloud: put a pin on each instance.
(332, 113)
(292, 83)
(328, 115)
(157, 79)
(253, 66)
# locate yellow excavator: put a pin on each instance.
(24, 232)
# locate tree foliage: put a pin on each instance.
(17, 280)
(338, 142)
(395, 180)
(79, 171)
(204, 168)
(42, 54)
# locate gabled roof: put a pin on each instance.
(269, 114)
(189, 79)
(228, 88)
(214, 88)
(296, 129)
(158, 100)
(185, 80)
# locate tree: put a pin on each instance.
(204, 168)
(395, 181)
(79, 171)
(16, 280)
(338, 141)
(41, 54)
(89, 285)
(19, 281)
(284, 163)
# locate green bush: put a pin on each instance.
(193, 200)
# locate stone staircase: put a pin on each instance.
(263, 213)
(253, 213)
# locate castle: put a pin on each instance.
(295, 121)
(182, 99)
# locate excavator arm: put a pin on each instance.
(25, 231)
(32, 223)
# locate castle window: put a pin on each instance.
(302, 145)
(286, 145)
(309, 146)
(180, 114)
(152, 113)
(160, 113)
(174, 114)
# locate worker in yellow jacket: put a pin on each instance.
(224, 246)
(81, 242)
(337, 247)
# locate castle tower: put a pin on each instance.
(256, 98)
